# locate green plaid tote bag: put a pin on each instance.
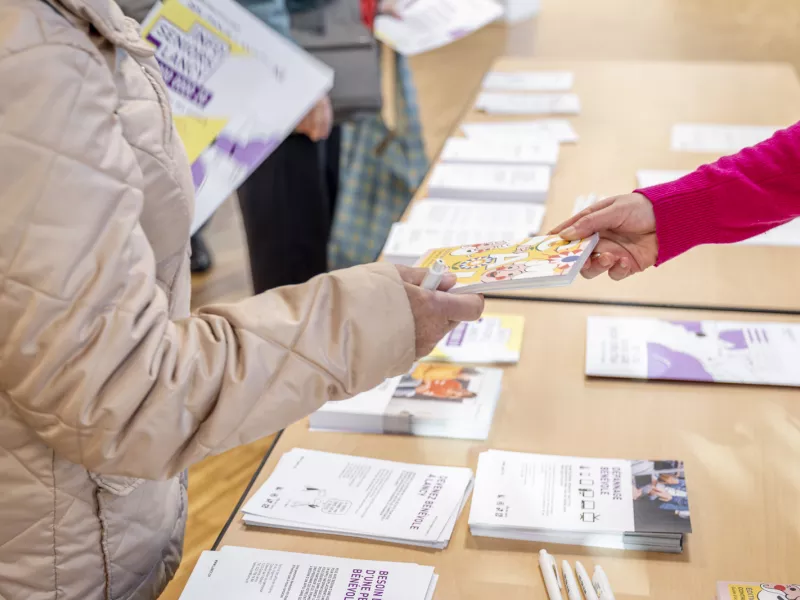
(380, 170)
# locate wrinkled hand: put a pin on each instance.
(437, 313)
(627, 228)
(318, 122)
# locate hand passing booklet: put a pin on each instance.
(251, 574)
(545, 261)
(322, 492)
(706, 351)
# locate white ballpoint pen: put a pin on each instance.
(573, 592)
(550, 574)
(434, 275)
(602, 584)
(585, 581)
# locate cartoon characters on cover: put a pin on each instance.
(536, 257)
(779, 592)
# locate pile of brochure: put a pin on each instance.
(381, 500)
(432, 400)
(607, 503)
(250, 574)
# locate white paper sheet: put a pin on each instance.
(529, 81)
(515, 152)
(474, 215)
(249, 574)
(502, 183)
(312, 490)
(522, 131)
(496, 103)
(717, 139)
(428, 24)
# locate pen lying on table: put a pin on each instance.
(597, 587)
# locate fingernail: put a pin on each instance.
(569, 232)
(623, 263)
(604, 261)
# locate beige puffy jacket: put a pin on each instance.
(109, 389)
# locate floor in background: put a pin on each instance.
(760, 30)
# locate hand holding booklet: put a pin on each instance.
(535, 262)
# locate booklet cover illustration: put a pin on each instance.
(544, 261)
(727, 590)
(236, 88)
(432, 400)
(492, 339)
(703, 351)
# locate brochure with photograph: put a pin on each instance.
(536, 262)
(702, 351)
(610, 503)
(251, 574)
(382, 500)
(432, 400)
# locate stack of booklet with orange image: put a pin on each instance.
(532, 262)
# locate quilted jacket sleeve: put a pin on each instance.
(88, 354)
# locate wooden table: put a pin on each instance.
(741, 445)
(627, 114)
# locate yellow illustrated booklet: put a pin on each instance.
(492, 339)
(727, 590)
(534, 262)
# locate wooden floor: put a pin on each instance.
(758, 30)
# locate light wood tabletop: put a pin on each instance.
(628, 109)
(741, 445)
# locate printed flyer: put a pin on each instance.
(703, 351)
(236, 87)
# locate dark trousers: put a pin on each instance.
(287, 206)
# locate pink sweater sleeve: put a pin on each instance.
(732, 199)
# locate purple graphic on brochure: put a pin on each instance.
(244, 154)
(665, 363)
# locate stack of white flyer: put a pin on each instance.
(508, 183)
(498, 103)
(432, 400)
(559, 129)
(529, 81)
(608, 503)
(434, 223)
(321, 492)
(542, 151)
(251, 574)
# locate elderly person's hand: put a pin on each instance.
(437, 313)
(627, 228)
